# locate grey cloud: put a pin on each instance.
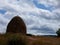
(43, 29)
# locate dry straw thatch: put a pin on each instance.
(16, 25)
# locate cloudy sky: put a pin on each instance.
(42, 17)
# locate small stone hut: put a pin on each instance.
(16, 25)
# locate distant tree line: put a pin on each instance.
(58, 32)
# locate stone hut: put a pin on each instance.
(16, 25)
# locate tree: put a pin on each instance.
(58, 32)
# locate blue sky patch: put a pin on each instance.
(42, 6)
(2, 11)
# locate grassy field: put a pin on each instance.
(44, 40)
(19, 39)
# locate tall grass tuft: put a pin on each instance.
(17, 39)
(13, 39)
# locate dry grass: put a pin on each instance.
(42, 40)
(19, 39)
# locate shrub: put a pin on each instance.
(17, 39)
(58, 32)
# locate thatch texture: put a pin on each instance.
(16, 25)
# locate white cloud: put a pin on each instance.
(48, 3)
(32, 16)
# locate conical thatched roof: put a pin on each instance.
(16, 25)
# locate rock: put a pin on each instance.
(16, 25)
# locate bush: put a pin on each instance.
(13, 39)
(58, 32)
(17, 39)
